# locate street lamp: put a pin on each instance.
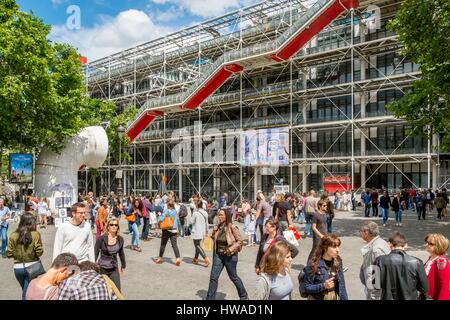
(120, 131)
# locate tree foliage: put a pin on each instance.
(423, 27)
(42, 95)
(43, 98)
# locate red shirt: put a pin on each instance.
(439, 279)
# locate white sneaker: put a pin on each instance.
(399, 224)
(384, 225)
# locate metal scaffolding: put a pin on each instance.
(331, 95)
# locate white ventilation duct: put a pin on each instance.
(57, 174)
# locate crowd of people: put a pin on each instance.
(89, 257)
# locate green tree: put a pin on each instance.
(42, 95)
(423, 27)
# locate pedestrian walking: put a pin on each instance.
(374, 248)
(199, 228)
(250, 227)
(25, 246)
(133, 216)
(227, 245)
(5, 214)
(284, 213)
(397, 207)
(310, 209)
(324, 274)
(107, 248)
(367, 200)
(329, 211)
(75, 236)
(319, 225)
(437, 267)
(271, 237)
(402, 277)
(385, 205)
(43, 210)
(440, 204)
(101, 218)
(274, 281)
(171, 232)
(374, 202)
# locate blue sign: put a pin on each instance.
(21, 168)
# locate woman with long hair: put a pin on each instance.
(227, 243)
(108, 246)
(200, 226)
(274, 281)
(271, 237)
(319, 224)
(437, 266)
(25, 246)
(324, 276)
(170, 233)
(133, 215)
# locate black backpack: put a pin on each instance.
(301, 282)
(183, 211)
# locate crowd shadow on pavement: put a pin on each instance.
(202, 294)
(348, 224)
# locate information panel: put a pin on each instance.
(265, 147)
(21, 168)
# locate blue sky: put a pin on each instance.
(109, 26)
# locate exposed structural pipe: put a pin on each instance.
(57, 173)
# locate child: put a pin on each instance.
(250, 227)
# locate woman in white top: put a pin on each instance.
(199, 223)
(274, 281)
(42, 209)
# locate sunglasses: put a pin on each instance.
(113, 225)
(430, 243)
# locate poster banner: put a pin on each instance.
(265, 147)
(21, 168)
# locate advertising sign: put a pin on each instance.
(21, 168)
(337, 183)
(265, 147)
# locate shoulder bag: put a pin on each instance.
(167, 223)
(33, 271)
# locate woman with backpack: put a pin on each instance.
(227, 244)
(324, 275)
(199, 222)
(169, 226)
(274, 281)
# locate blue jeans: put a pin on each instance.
(134, 233)
(22, 277)
(92, 217)
(146, 228)
(329, 223)
(398, 215)
(308, 226)
(385, 214)
(367, 210)
(4, 235)
(221, 260)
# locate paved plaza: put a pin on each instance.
(145, 280)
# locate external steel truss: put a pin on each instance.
(170, 64)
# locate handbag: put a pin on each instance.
(290, 237)
(207, 243)
(131, 218)
(167, 223)
(33, 271)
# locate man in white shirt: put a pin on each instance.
(75, 236)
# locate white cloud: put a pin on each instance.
(58, 2)
(129, 28)
(209, 8)
(171, 14)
